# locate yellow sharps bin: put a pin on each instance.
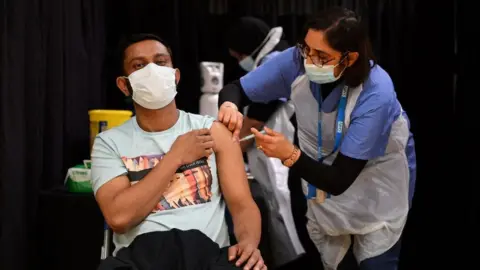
(101, 120)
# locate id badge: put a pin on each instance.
(320, 196)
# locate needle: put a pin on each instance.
(251, 136)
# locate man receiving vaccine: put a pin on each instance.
(158, 171)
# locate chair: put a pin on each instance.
(264, 245)
(107, 242)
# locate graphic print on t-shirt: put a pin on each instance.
(191, 184)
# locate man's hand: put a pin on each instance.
(229, 115)
(248, 254)
(192, 146)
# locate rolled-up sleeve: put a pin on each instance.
(106, 164)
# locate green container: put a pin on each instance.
(78, 180)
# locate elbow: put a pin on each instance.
(340, 189)
(337, 191)
(118, 223)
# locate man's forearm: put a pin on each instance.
(247, 223)
(133, 204)
(234, 186)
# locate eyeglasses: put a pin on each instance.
(317, 60)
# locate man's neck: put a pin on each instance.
(157, 120)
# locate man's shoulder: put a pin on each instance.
(118, 134)
(126, 128)
(222, 137)
(197, 121)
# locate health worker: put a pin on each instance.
(355, 153)
(252, 43)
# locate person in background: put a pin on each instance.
(355, 154)
(252, 43)
(165, 196)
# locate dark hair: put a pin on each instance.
(246, 34)
(344, 32)
(127, 41)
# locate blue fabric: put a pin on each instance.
(386, 261)
(268, 57)
(412, 163)
(330, 103)
(372, 118)
(273, 79)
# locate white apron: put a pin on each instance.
(272, 175)
(374, 208)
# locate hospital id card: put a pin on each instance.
(320, 196)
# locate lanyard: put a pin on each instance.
(342, 104)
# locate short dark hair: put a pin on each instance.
(129, 40)
(344, 32)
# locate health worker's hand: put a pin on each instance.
(229, 115)
(273, 144)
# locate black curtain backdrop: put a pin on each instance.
(51, 66)
(466, 116)
(57, 62)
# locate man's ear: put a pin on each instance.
(177, 75)
(122, 84)
(352, 58)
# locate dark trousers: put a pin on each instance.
(388, 260)
(299, 209)
(171, 250)
(385, 261)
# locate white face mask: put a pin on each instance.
(321, 75)
(247, 63)
(153, 86)
(268, 44)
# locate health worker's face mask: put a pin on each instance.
(321, 75)
(153, 86)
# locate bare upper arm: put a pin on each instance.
(231, 168)
(107, 193)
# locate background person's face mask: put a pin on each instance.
(153, 86)
(247, 63)
(268, 44)
(321, 75)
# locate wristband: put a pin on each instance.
(293, 157)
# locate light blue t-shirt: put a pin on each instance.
(376, 109)
(192, 200)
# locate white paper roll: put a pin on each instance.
(209, 105)
(211, 77)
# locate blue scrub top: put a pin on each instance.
(376, 109)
